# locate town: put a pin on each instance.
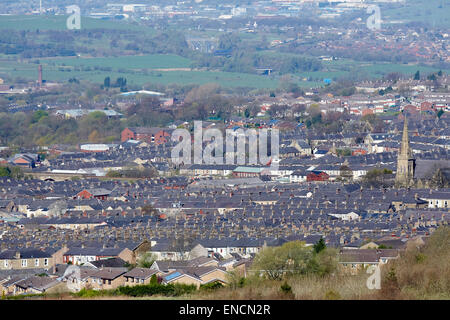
(93, 200)
(201, 220)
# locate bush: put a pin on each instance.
(332, 295)
(285, 288)
(91, 293)
(211, 286)
(169, 290)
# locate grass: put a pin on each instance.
(137, 69)
(24, 22)
(154, 61)
(303, 288)
(433, 12)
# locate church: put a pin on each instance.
(406, 164)
(421, 173)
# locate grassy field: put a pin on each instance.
(137, 69)
(155, 61)
(163, 69)
(23, 22)
(345, 67)
(433, 12)
(167, 69)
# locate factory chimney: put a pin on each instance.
(40, 76)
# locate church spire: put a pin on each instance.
(405, 148)
(405, 162)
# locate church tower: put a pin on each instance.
(406, 164)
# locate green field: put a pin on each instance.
(166, 68)
(143, 69)
(23, 22)
(433, 12)
(156, 61)
(137, 69)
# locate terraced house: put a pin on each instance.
(25, 259)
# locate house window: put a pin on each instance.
(36, 262)
(24, 263)
(45, 262)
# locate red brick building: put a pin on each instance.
(317, 176)
(149, 135)
(359, 151)
(97, 193)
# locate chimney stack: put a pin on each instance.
(40, 76)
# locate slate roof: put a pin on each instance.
(140, 273)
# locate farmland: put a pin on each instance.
(58, 23)
(107, 48)
(137, 69)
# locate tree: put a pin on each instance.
(146, 260)
(5, 172)
(377, 178)
(38, 115)
(121, 82)
(291, 258)
(154, 280)
(319, 245)
(417, 75)
(94, 136)
(107, 82)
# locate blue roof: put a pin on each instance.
(172, 276)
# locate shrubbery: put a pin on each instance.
(170, 290)
(211, 286)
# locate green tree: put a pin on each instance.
(417, 75)
(38, 115)
(276, 262)
(107, 82)
(319, 245)
(5, 172)
(146, 260)
(154, 280)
